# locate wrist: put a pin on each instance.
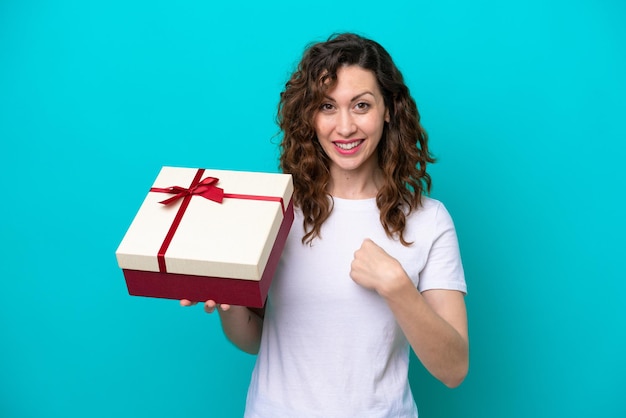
(397, 285)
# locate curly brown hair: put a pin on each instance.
(402, 152)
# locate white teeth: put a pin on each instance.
(348, 146)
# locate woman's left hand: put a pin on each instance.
(374, 269)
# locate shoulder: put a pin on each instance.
(431, 216)
(429, 209)
(429, 203)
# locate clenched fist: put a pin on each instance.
(374, 269)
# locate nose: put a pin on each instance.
(346, 125)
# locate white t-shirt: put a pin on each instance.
(331, 348)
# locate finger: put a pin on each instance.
(366, 247)
(185, 302)
(368, 243)
(224, 307)
(209, 306)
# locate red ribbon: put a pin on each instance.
(206, 188)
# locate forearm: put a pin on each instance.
(242, 327)
(442, 348)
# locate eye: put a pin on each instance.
(362, 107)
(326, 107)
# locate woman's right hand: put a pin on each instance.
(209, 305)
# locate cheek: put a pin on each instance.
(374, 126)
(322, 127)
(316, 124)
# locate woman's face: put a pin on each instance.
(350, 121)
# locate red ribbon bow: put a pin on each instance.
(206, 188)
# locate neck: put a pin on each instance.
(355, 184)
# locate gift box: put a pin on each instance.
(205, 234)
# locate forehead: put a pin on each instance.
(354, 79)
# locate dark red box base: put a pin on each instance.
(241, 292)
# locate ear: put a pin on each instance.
(387, 118)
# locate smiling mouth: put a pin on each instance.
(347, 146)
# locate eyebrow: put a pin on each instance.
(358, 96)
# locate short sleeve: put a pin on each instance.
(443, 268)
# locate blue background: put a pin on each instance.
(524, 102)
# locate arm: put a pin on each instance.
(434, 322)
(242, 326)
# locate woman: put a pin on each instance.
(371, 267)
